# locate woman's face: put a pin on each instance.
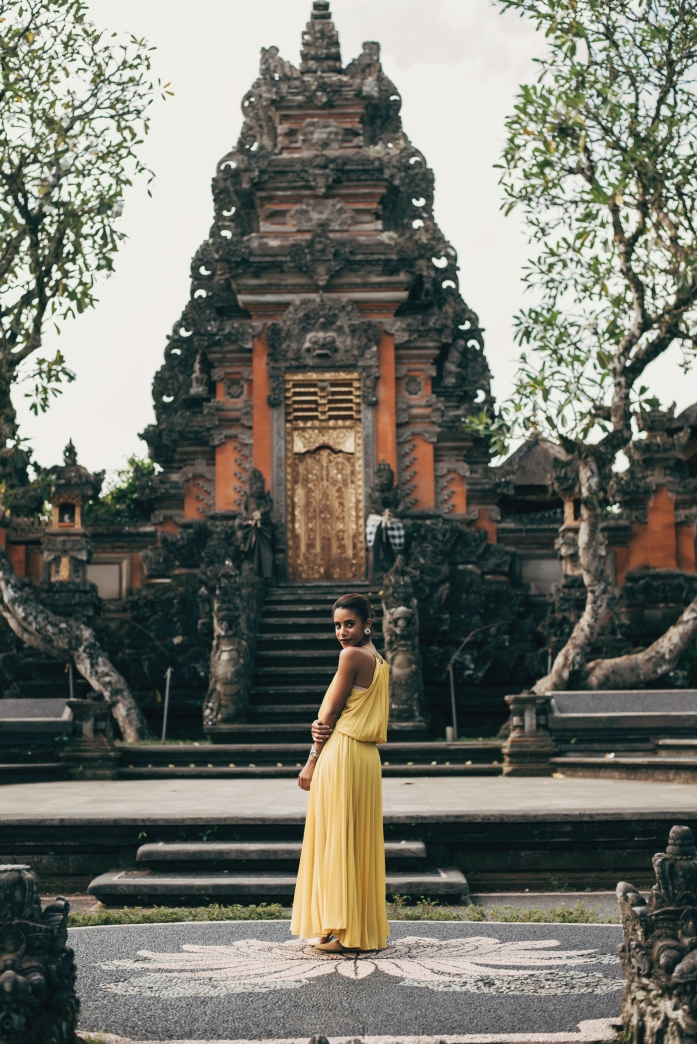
(349, 628)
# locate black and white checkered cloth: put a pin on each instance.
(395, 530)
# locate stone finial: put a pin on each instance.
(37, 968)
(70, 455)
(659, 948)
(320, 42)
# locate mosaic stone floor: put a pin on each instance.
(241, 981)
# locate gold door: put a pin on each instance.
(324, 474)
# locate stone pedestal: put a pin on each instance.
(91, 752)
(529, 747)
(38, 1004)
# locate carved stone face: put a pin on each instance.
(402, 620)
(384, 478)
(322, 344)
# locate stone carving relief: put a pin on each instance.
(317, 334)
(659, 949)
(37, 969)
(401, 631)
(321, 135)
(322, 213)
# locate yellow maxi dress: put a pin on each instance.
(341, 879)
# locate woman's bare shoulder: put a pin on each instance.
(352, 656)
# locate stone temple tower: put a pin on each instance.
(325, 331)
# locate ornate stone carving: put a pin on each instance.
(400, 623)
(317, 334)
(319, 135)
(38, 1003)
(659, 948)
(328, 214)
(385, 495)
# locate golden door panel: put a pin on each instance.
(325, 477)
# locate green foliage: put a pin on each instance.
(169, 914)
(601, 158)
(127, 499)
(430, 910)
(73, 108)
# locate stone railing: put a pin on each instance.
(529, 747)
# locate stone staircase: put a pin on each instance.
(295, 661)
(255, 871)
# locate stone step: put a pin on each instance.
(296, 732)
(298, 657)
(412, 756)
(251, 851)
(282, 711)
(315, 675)
(273, 693)
(287, 769)
(121, 885)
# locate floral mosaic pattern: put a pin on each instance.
(475, 964)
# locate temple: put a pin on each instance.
(326, 359)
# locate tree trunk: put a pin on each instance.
(53, 635)
(636, 669)
(591, 554)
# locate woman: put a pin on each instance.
(340, 893)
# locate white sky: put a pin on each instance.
(457, 65)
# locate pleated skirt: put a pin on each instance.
(341, 878)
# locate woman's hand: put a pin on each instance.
(305, 777)
(320, 732)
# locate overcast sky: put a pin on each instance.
(457, 65)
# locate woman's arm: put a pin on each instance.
(349, 663)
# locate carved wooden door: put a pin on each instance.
(324, 473)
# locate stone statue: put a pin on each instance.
(256, 525)
(384, 532)
(38, 1003)
(401, 632)
(659, 949)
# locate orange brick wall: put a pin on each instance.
(17, 554)
(484, 521)
(261, 410)
(386, 410)
(424, 479)
(194, 507)
(686, 548)
(227, 497)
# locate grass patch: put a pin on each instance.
(167, 914)
(431, 910)
(398, 910)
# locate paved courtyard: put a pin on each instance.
(239, 981)
(211, 800)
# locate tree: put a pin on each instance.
(73, 109)
(601, 157)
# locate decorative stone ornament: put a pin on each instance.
(529, 747)
(66, 547)
(38, 1004)
(659, 949)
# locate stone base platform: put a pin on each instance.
(502, 834)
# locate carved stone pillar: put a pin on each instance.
(37, 970)
(400, 624)
(659, 949)
(90, 752)
(529, 747)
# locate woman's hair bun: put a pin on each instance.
(357, 603)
